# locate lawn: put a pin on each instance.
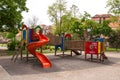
(113, 49)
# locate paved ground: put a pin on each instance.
(64, 68)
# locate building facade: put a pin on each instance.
(99, 18)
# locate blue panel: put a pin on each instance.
(29, 36)
(99, 39)
(24, 34)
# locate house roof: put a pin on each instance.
(113, 25)
(102, 15)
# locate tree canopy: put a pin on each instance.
(10, 14)
(56, 11)
(73, 22)
(114, 6)
(114, 38)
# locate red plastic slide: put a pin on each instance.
(32, 49)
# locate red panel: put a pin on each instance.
(91, 48)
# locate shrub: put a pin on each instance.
(10, 35)
(12, 45)
(114, 39)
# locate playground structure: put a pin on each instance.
(33, 39)
(77, 46)
(60, 42)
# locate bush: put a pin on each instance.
(12, 45)
(51, 48)
(10, 35)
(114, 39)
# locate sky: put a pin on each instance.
(38, 8)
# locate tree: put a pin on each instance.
(91, 27)
(114, 39)
(74, 11)
(77, 28)
(52, 12)
(114, 6)
(66, 22)
(10, 14)
(105, 29)
(85, 16)
(56, 11)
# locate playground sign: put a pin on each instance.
(92, 47)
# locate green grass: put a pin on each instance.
(1, 45)
(112, 49)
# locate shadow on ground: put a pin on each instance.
(67, 63)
